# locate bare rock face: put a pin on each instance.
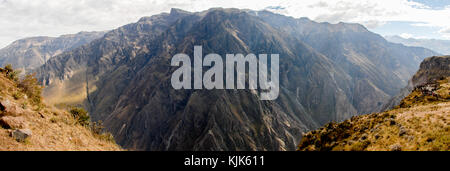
(21, 134)
(9, 108)
(9, 122)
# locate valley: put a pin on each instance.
(327, 73)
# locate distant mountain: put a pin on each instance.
(30, 53)
(440, 46)
(419, 123)
(378, 68)
(327, 73)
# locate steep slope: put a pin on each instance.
(124, 80)
(153, 113)
(26, 125)
(72, 76)
(378, 69)
(420, 122)
(30, 53)
(440, 46)
(219, 119)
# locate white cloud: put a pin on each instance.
(406, 35)
(445, 30)
(25, 18)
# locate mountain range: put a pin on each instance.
(440, 46)
(31, 53)
(328, 72)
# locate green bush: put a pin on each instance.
(17, 95)
(97, 127)
(11, 73)
(82, 117)
(31, 88)
(99, 131)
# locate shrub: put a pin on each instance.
(53, 120)
(31, 88)
(82, 117)
(17, 95)
(24, 105)
(97, 127)
(360, 145)
(11, 73)
(107, 137)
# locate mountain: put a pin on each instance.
(419, 123)
(27, 124)
(31, 53)
(377, 67)
(327, 73)
(440, 46)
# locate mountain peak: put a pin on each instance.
(177, 11)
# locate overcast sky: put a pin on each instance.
(26, 18)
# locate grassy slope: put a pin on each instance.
(420, 123)
(52, 129)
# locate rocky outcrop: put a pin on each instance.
(10, 122)
(9, 108)
(21, 134)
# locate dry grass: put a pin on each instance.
(52, 129)
(423, 124)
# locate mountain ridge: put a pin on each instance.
(440, 46)
(30, 53)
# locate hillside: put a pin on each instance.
(328, 72)
(26, 124)
(420, 123)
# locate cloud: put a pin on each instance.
(25, 18)
(406, 35)
(445, 30)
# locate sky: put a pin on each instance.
(407, 18)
